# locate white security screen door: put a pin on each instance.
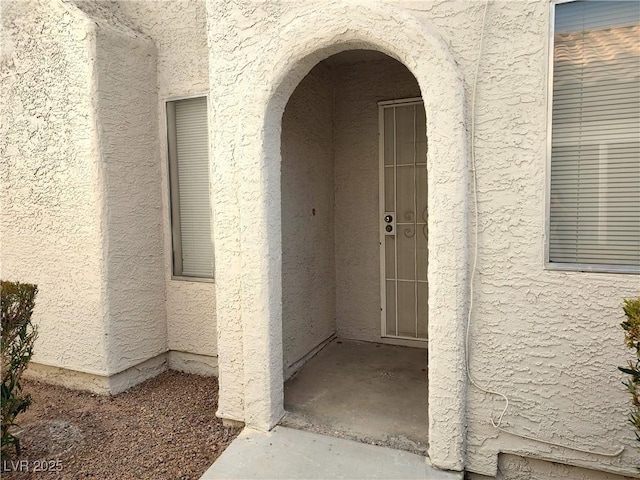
(403, 219)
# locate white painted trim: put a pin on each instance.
(381, 209)
(173, 98)
(402, 337)
(593, 268)
(195, 363)
(295, 367)
(407, 165)
(99, 382)
(547, 172)
(179, 278)
(173, 187)
(395, 209)
(399, 342)
(401, 101)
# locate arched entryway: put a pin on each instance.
(354, 211)
(250, 334)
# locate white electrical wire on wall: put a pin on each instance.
(496, 424)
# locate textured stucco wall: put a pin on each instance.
(132, 224)
(358, 88)
(259, 52)
(330, 135)
(550, 340)
(87, 78)
(308, 265)
(50, 191)
(513, 467)
(178, 30)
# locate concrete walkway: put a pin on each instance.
(285, 453)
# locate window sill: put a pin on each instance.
(192, 279)
(592, 268)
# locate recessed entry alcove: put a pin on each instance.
(354, 252)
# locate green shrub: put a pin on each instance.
(631, 327)
(18, 335)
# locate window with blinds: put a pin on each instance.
(188, 141)
(595, 135)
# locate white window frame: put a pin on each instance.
(173, 214)
(548, 264)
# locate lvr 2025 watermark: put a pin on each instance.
(35, 466)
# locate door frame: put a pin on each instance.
(410, 341)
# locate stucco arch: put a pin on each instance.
(275, 73)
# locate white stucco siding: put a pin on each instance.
(254, 80)
(308, 265)
(179, 32)
(129, 144)
(191, 317)
(513, 467)
(228, 264)
(550, 340)
(50, 192)
(358, 88)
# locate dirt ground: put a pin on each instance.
(165, 428)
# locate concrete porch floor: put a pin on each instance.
(285, 453)
(370, 392)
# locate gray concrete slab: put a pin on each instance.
(286, 453)
(363, 391)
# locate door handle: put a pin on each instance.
(389, 223)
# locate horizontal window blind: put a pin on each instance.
(595, 150)
(190, 189)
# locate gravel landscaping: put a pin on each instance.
(165, 428)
